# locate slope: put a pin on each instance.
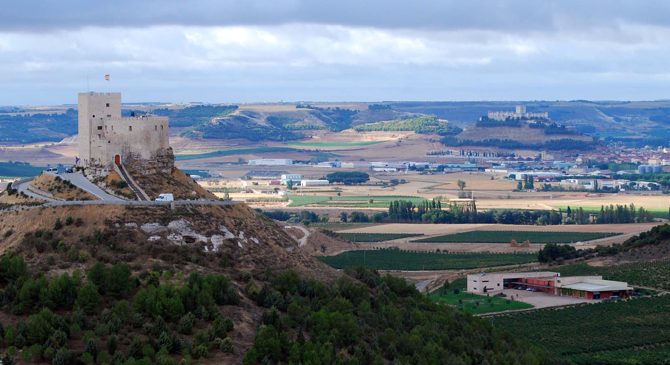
(220, 284)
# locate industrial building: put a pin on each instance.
(285, 178)
(271, 162)
(587, 287)
(305, 183)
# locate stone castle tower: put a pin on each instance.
(105, 137)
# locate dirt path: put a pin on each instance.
(305, 234)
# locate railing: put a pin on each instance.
(141, 195)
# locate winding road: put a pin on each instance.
(23, 186)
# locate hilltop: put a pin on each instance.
(221, 284)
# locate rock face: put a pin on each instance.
(159, 175)
(161, 162)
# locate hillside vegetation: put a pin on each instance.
(421, 125)
(211, 285)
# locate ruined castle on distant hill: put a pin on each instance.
(107, 138)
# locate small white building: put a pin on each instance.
(271, 162)
(305, 183)
(290, 177)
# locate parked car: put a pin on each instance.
(165, 197)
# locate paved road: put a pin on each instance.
(85, 184)
(22, 186)
(105, 198)
(58, 203)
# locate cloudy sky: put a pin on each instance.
(344, 50)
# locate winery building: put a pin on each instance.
(588, 287)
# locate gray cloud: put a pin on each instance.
(499, 15)
(232, 51)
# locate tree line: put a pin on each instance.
(433, 212)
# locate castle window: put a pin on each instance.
(107, 105)
(93, 116)
(155, 127)
(130, 128)
(99, 127)
(161, 127)
(109, 115)
(99, 136)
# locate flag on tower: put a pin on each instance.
(106, 77)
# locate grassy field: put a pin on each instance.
(340, 226)
(605, 333)
(361, 201)
(454, 294)
(376, 237)
(519, 236)
(233, 151)
(477, 304)
(394, 259)
(335, 144)
(653, 274)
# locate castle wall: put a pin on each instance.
(103, 133)
(93, 109)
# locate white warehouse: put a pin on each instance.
(305, 183)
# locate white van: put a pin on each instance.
(165, 197)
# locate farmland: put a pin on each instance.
(362, 201)
(18, 169)
(519, 236)
(232, 152)
(598, 331)
(654, 274)
(342, 144)
(394, 259)
(376, 237)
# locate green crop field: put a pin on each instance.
(519, 236)
(362, 201)
(376, 237)
(642, 356)
(341, 226)
(334, 144)
(19, 169)
(599, 333)
(231, 152)
(653, 274)
(394, 259)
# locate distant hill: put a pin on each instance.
(522, 136)
(635, 123)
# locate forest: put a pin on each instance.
(364, 318)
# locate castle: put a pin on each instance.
(106, 138)
(519, 113)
